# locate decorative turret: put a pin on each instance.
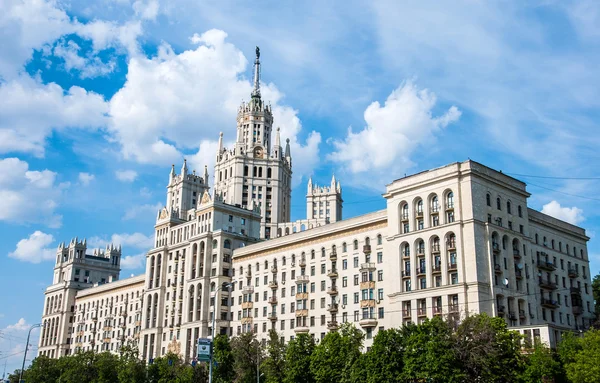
(184, 168)
(324, 203)
(172, 174)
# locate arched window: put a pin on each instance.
(421, 247)
(552, 244)
(435, 205)
(257, 266)
(488, 199)
(520, 211)
(227, 244)
(419, 207)
(254, 171)
(379, 239)
(405, 211)
(559, 246)
(322, 252)
(450, 200)
(283, 261)
(508, 207)
(212, 287)
(312, 254)
(245, 171)
(260, 171)
(451, 241)
(567, 248)
(355, 244)
(215, 244)
(266, 265)
(268, 172)
(344, 247)
(293, 259)
(536, 239)
(498, 203)
(406, 250)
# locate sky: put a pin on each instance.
(99, 98)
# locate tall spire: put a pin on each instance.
(220, 148)
(333, 183)
(287, 148)
(256, 90)
(277, 138)
(184, 168)
(206, 174)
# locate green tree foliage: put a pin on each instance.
(580, 357)
(131, 368)
(298, 355)
(42, 369)
(487, 351)
(385, 360)
(274, 364)
(429, 353)
(541, 365)
(596, 292)
(247, 352)
(223, 371)
(326, 364)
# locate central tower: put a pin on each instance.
(255, 172)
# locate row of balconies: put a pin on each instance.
(434, 269)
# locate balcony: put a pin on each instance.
(451, 245)
(368, 321)
(518, 274)
(273, 285)
(332, 308)
(501, 310)
(405, 255)
(549, 303)
(247, 305)
(301, 329)
(496, 247)
(575, 290)
(302, 279)
(573, 273)
(453, 308)
(368, 266)
(497, 269)
(332, 325)
(435, 249)
(138, 323)
(367, 249)
(421, 271)
(420, 252)
(248, 290)
(406, 313)
(332, 273)
(106, 340)
(332, 290)
(367, 285)
(577, 310)
(302, 262)
(422, 312)
(436, 269)
(273, 300)
(545, 265)
(272, 317)
(512, 315)
(273, 269)
(406, 274)
(301, 312)
(367, 303)
(452, 266)
(522, 314)
(333, 255)
(437, 310)
(404, 217)
(547, 284)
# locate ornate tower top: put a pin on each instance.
(256, 90)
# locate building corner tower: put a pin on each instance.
(255, 172)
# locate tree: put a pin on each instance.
(580, 356)
(596, 292)
(334, 357)
(428, 352)
(42, 369)
(223, 369)
(487, 351)
(298, 356)
(131, 368)
(247, 352)
(385, 360)
(541, 365)
(274, 365)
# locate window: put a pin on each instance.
(488, 199)
(355, 244)
(380, 257)
(355, 262)
(508, 207)
(450, 200)
(344, 247)
(379, 239)
(345, 264)
(520, 211)
(380, 275)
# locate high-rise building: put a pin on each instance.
(455, 240)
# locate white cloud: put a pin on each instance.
(31, 110)
(86, 178)
(126, 175)
(20, 187)
(133, 261)
(393, 132)
(34, 249)
(173, 103)
(572, 215)
(137, 240)
(88, 67)
(147, 10)
(19, 326)
(146, 211)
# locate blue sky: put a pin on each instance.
(100, 98)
